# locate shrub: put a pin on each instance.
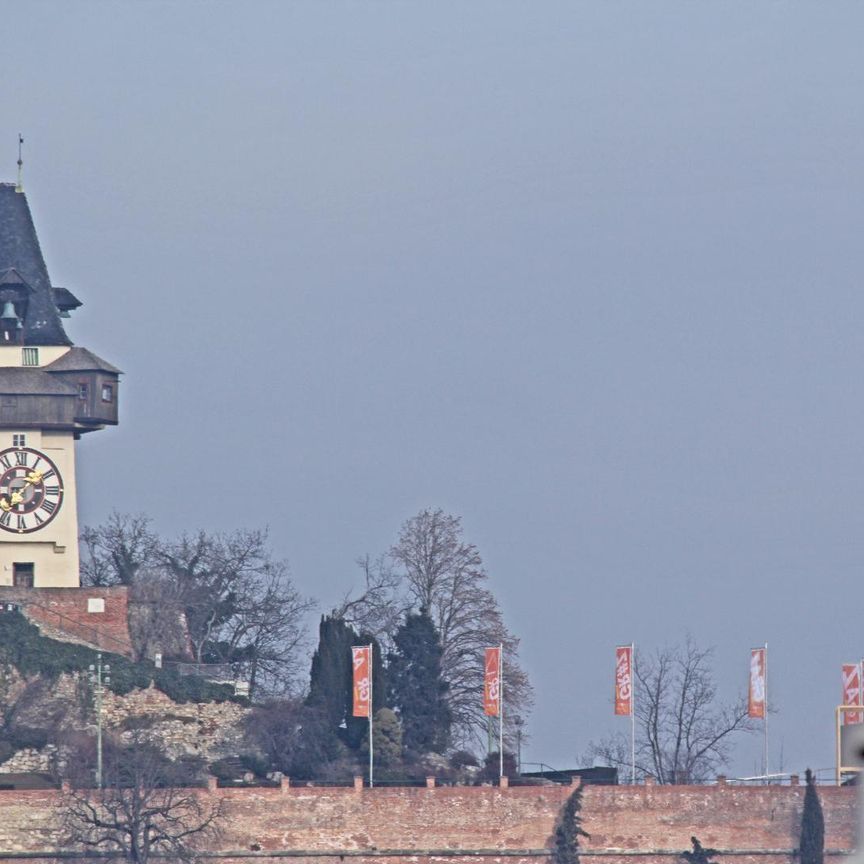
(22, 646)
(464, 759)
(27, 738)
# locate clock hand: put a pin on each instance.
(33, 477)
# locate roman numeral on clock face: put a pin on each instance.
(31, 491)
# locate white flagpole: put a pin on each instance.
(371, 747)
(500, 711)
(765, 717)
(633, 713)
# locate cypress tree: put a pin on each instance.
(812, 844)
(331, 669)
(417, 688)
(331, 683)
(569, 830)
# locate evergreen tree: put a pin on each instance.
(331, 684)
(330, 678)
(387, 737)
(417, 689)
(568, 831)
(812, 845)
(699, 854)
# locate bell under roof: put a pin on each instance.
(20, 252)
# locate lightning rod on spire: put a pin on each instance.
(20, 186)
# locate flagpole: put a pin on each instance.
(500, 711)
(765, 718)
(633, 713)
(371, 711)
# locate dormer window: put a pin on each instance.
(31, 357)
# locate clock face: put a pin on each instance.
(31, 490)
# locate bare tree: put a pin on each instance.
(146, 809)
(157, 619)
(114, 553)
(268, 630)
(683, 733)
(221, 598)
(444, 575)
(379, 608)
(240, 605)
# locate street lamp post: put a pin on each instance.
(518, 722)
(100, 675)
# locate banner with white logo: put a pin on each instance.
(624, 680)
(758, 672)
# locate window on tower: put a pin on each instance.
(19, 440)
(107, 393)
(31, 356)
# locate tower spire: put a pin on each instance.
(20, 186)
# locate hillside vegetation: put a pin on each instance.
(25, 650)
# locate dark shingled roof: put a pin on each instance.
(80, 360)
(19, 248)
(65, 299)
(13, 277)
(15, 381)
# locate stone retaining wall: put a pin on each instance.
(453, 825)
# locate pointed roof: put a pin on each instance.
(13, 277)
(19, 250)
(79, 359)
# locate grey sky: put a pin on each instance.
(586, 274)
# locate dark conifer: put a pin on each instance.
(331, 684)
(330, 679)
(417, 689)
(812, 845)
(569, 830)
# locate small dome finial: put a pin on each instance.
(20, 186)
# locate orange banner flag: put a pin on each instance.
(362, 659)
(756, 702)
(492, 682)
(624, 680)
(851, 692)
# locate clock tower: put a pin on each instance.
(51, 393)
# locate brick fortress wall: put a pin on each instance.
(452, 825)
(71, 614)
